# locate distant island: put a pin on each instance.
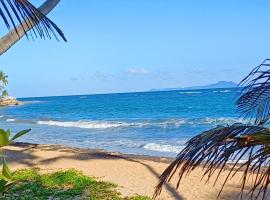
(220, 84)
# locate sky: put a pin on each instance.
(138, 45)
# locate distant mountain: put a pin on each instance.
(220, 84)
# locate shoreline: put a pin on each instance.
(94, 150)
(134, 174)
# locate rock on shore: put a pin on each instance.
(9, 101)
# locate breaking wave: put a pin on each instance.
(165, 124)
(226, 120)
(190, 92)
(163, 147)
(11, 120)
(222, 91)
(114, 124)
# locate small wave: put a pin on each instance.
(222, 91)
(11, 120)
(163, 147)
(171, 123)
(84, 124)
(190, 92)
(225, 120)
(164, 124)
(138, 124)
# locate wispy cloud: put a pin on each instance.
(137, 71)
(101, 76)
(197, 71)
(97, 75)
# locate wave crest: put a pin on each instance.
(114, 124)
(190, 92)
(221, 91)
(226, 121)
(165, 124)
(84, 124)
(163, 147)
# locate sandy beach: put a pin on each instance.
(133, 174)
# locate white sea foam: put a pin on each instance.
(221, 91)
(165, 124)
(85, 124)
(171, 123)
(225, 91)
(190, 92)
(163, 147)
(225, 120)
(122, 142)
(11, 120)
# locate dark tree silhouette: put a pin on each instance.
(21, 18)
(212, 149)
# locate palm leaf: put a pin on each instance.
(28, 16)
(212, 150)
(254, 96)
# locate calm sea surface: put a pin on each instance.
(149, 123)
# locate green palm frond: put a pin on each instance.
(4, 93)
(214, 149)
(254, 96)
(3, 78)
(20, 11)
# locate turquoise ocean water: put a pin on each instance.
(149, 123)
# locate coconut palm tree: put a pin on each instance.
(3, 78)
(32, 22)
(22, 18)
(213, 149)
(4, 81)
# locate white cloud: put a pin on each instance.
(137, 71)
(101, 76)
(97, 75)
(196, 71)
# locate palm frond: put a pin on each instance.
(254, 96)
(29, 17)
(214, 148)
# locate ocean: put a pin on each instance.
(146, 123)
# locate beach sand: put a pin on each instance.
(133, 174)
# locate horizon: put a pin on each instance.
(155, 88)
(144, 91)
(113, 49)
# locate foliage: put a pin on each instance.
(29, 17)
(4, 81)
(3, 78)
(213, 149)
(64, 185)
(139, 197)
(6, 180)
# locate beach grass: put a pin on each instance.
(62, 185)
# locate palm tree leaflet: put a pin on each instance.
(213, 149)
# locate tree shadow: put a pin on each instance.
(25, 156)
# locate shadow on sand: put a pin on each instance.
(25, 157)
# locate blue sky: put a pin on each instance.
(137, 45)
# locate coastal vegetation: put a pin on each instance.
(62, 185)
(6, 179)
(4, 82)
(211, 149)
(5, 99)
(32, 23)
(214, 149)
